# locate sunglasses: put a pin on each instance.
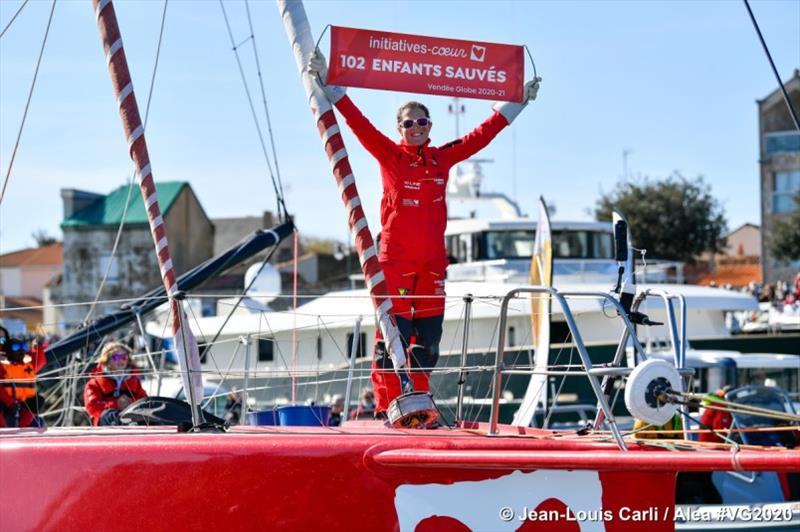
(20, 346)
(119, 356)
(421, 122)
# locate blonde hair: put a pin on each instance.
(111, 348)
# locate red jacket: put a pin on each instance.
(100, 392)
(718, 420)
(414, 207)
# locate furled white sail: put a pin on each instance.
(541, 275)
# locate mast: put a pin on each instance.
(189, 358)
(298, 31)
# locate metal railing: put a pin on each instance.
(561, 298)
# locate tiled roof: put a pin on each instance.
(51, 255)
(108, 210)
(734, 274)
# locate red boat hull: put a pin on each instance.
(361, 477)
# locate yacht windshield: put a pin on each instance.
(518, 244)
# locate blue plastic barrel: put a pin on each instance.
(264, 417)
(304, 415)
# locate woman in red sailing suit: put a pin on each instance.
(413, 218)
(113, 386)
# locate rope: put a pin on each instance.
(772, 64)
(281, 206)
(24, 2)
(739, 408)
(28, 102)
(294, 320)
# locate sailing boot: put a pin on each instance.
(385, 381)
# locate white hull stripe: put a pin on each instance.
(143, 173)
(338, 156)
(100, 5)
(330, 132)
(124, 93)
(116, 47)
(135, 134)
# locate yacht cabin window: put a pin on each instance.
(518, 244)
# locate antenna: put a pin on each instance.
(456, 109)
(625, 153)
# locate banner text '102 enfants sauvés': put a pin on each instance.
(429, 65)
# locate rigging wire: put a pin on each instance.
(24, 3)
(772, 64)
(281, 206)
(264, 97)
(28, 102)
(113, 253)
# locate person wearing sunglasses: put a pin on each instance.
(114, 384)
(413, 214)
(20, 361)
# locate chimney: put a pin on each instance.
(75, 200)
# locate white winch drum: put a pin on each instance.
(413, 410)
(645, 383)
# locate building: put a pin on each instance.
(744, 241)
(739, 262)
(23, 276)
(90, 226)
(780, 171)
(24, 273)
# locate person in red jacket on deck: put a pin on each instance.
(717, 419)
(113, 386)
(413, 213)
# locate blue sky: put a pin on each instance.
(674, 82)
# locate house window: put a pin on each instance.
(782, 141)
(362, 345)
(109, 263)
(785, 186)
(266, 348)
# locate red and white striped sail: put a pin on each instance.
(299, 33)
(189, 357)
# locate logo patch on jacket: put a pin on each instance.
(410, 202)
(403, 291)
(412, 185)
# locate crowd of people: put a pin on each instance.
(781, 292)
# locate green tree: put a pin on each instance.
(42, 238)
(311, 244)
(674, 218)
(785, 241)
